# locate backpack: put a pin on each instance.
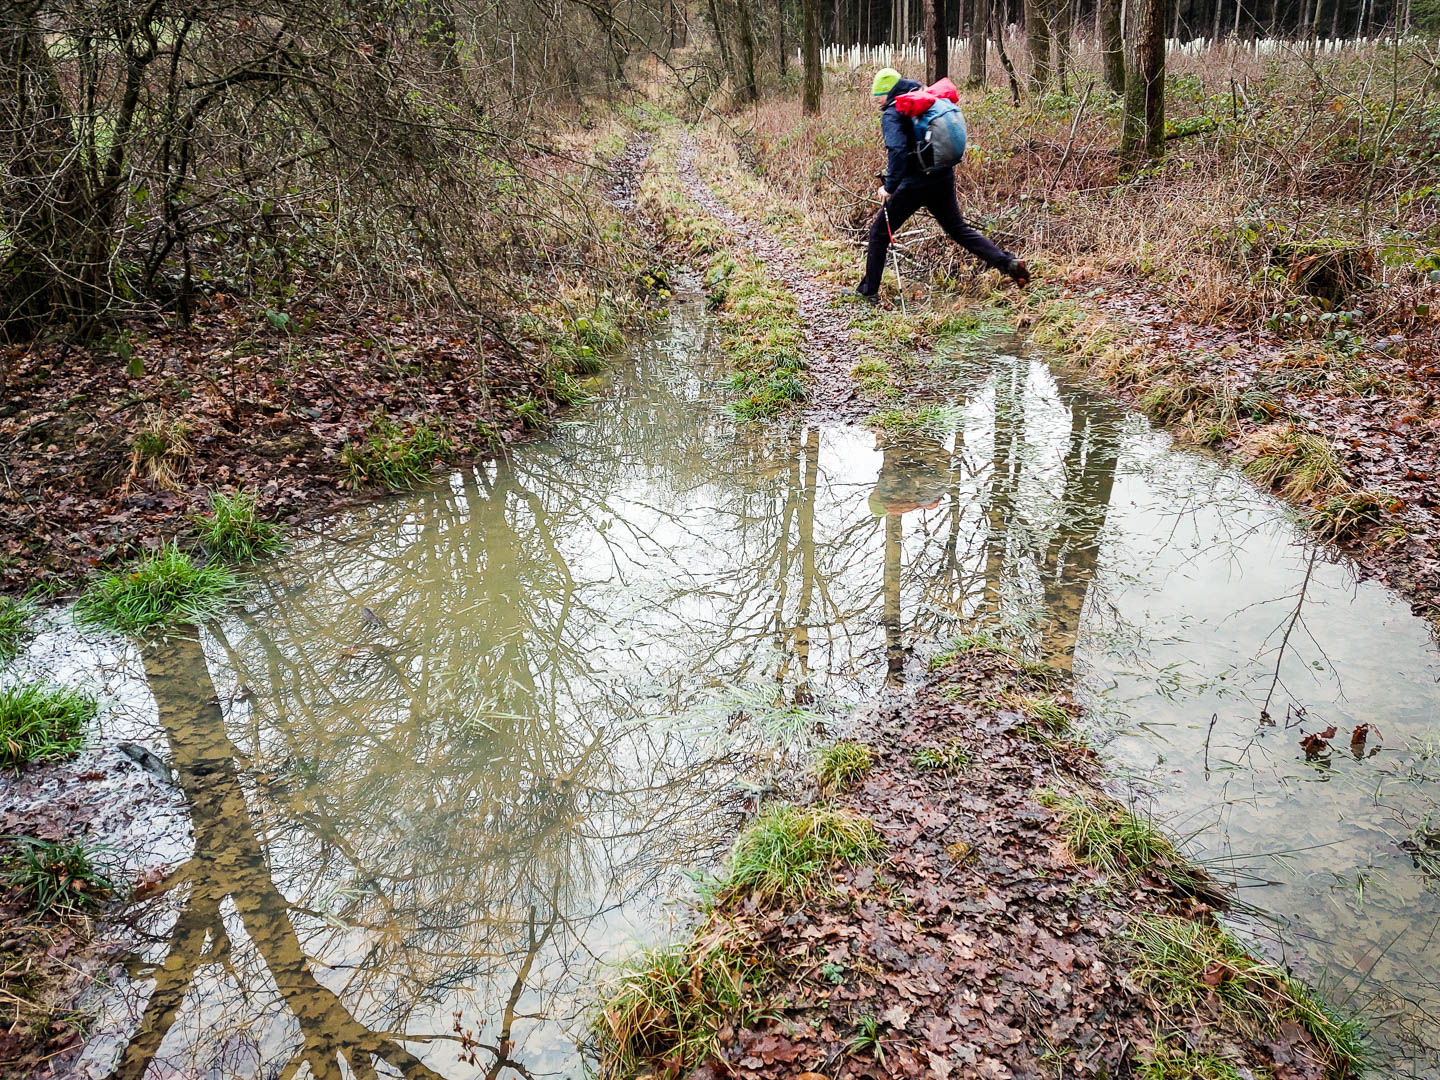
(939, 124)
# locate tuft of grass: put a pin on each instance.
(1185, 965)
(1298, 464)
(873, 377)
(766, 396)
(160, 592)
(868, 1037)
(391, 457)
(952, 759)
(17, 617)
(1114, 839)
(935, 421)
(840, 764)
(785, 852)
(962, 645)
(39, 722)
(1167, 1062)
(56, 877)
(668, 1003)
(1343, 515)
(159, 451)
(233, 529)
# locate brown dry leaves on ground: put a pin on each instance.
(264, 407)
(978, 947)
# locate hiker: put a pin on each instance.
(908, 187)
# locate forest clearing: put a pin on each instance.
(485, 593)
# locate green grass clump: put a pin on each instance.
(785, 852)
(160, 592)
(1111, 838)
(668, 1003)
(584, 341)
(1296, 463)
(965, 644)
(934, 421)
(874, 378)
(952, 759)
(1345, 514)
(868, 1038)
(391, 457)
(1167, 1062)
(840, 764)
(766, 396)
(17, 617)
(39, 721)
(1185, 965)
(58, 877)
(233, 530)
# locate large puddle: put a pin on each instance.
(465, 744)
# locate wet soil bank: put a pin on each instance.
(982, 943)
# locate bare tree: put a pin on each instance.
(813, 77)
(1143, 125)
(1112, 44)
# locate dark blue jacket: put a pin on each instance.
(903, 169)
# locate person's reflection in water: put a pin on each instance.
(915, 474)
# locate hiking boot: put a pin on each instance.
(1018, 272)
(870, 298)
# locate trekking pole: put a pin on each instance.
(894, 255)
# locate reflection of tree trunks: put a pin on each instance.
(894, 648)
(1074, 550)
(1004, 476)
(805, 528)
(230, 862)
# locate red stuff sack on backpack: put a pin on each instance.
(915, 103)
(945, 90)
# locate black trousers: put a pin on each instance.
(939, 199)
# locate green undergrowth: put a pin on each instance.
(1167, 1061)
(840, 765)
(56, 877)
(1297, 463)
(160, 592)
(394, 457)
(17, 625)
(1195, 970)
(760, 335)
(233, 529)
(40, 722)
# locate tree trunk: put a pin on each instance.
(1143, 125)
(1037, 40)
(1215, 22)
(780, 34)
(942, 41)
(1060, 41)
(979, 45)
(1112, 45)
(932, 35)
(810, 10)
(749, 92)
(997, 31)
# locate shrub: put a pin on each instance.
(39, 721)
(391, 457)
(233, 529)
(57, 877)
(160, 592)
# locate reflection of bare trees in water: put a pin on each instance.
(434, 773)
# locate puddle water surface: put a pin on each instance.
(465, 744)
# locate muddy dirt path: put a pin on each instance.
(829, 348)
